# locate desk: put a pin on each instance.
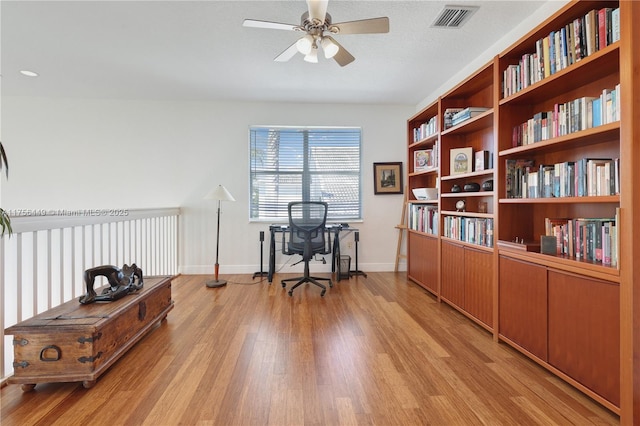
(331, 230)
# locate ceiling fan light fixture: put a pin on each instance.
(329, 47)
(312, 56)
(305, 44)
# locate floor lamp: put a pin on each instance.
(219, 194)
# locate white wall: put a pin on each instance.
(93, 154)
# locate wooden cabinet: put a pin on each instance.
(423, 266)
(568, 322)
(452, 287)
(584, 331)
(523, 305)
(467, 281)
(478, 284)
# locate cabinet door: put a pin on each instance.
(415, 258)
(478, 284)
(523, 305)
(423, 261)
(453, 264)
(430, 253)
(584, 331)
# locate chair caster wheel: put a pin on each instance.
(322, 293)
(290, 293)
(284, 285)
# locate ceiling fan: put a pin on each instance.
(315, 23)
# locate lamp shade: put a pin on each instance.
(329, 47)
(305, 44)
(219, 193)
(312, 56)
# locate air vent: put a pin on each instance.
(453, 16)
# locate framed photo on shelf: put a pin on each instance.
(387, 178)
(422, 160)
(461, 161)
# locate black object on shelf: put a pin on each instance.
(261, 273)
(472, 187)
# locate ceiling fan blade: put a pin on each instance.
(317, 9)
(269, 25)
(364, 26)
(288, 53)
(342, 57)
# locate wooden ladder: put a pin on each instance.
(401, 227)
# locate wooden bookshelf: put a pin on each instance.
(423, 250)
(574, 316)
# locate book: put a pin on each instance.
(483, 160)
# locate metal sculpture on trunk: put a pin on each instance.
(121, 282)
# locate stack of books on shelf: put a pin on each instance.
(423, 218)
(466, 114)
(472, 230)
(586, 177)
(573, 116)
(562, 48)
(426, 129)
(591, 239)
(448, 116)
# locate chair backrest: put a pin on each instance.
(307, 220)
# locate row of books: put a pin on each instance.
(573, 116)
(583, 178)
(589, 239)
(562, 48)
(423, 218)
(473, 230)
(426, 129)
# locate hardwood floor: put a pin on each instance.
(376, 350)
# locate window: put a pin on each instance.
(309, 164)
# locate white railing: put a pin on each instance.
(43, 261)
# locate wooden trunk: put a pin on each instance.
(75, 342)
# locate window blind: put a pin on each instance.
(309, 164)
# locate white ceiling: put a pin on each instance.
(199, 50)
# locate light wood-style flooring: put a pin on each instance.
(373, 351)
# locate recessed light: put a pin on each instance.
(29, 73)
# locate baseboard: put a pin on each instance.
(318, 267)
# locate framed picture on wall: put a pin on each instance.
(387, 178)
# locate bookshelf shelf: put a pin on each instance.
(582, 138)
(601, 64)
(608, 199)
(424, 172)
(485, 249)
(480, 173)
(466, 214)
(467, 194)
(473, 124)
(429, 140)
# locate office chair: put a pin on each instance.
(307, 220)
